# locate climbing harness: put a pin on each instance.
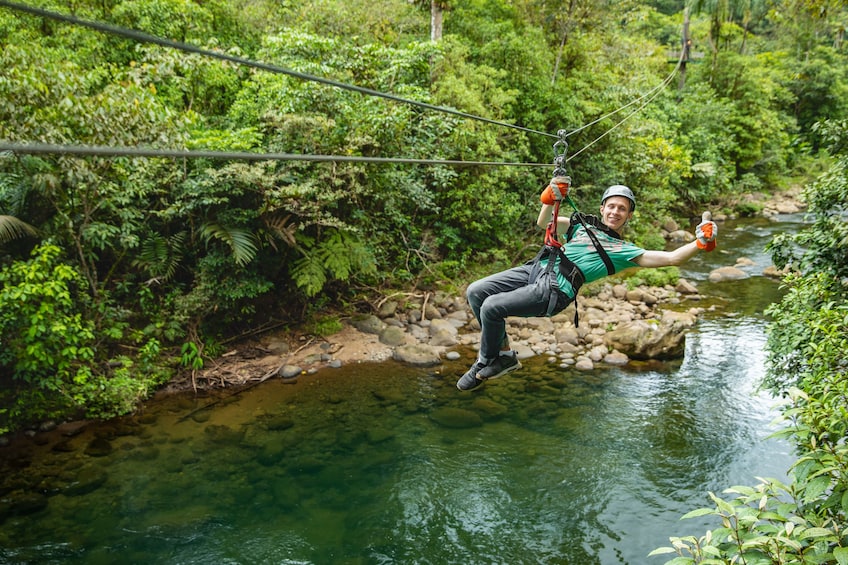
(552, 247)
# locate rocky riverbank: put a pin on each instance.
(616, 325)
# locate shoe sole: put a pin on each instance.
(478, 385)
(502, 373)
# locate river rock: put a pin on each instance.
(392, 336)
(276, 422)
(417, 354)
(219, 433)
(597, 353)
(289, 371)
(567, 335)
(680, 236)
(670, 225)
(369, 324)
(443, 333)
(388, 309)
(652, 339)
(21, 505)
(523, 351)
(458, 318)
(773, 272)
(727, 274)
(787, 208)
(86, 480)
(616, 358)
(649, 299)
(489, 408)
(98, 447)
(458, 418)
(431, 312)
(584, 364)
(619, 291)
(685, 287)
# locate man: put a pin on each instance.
(550, 282)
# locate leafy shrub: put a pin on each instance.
(804, 521)
(325, 326)
(654, 277)
(49, 348)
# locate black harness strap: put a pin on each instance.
(589, 222)
(567, 267)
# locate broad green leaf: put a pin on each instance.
(698, 512)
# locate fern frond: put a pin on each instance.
(308, 275)
(243, 244)
(333, 253)
(282, 228)
(362, 259)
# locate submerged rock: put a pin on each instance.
(86, 480)
(28, 503)
(458, 418)
(99, 447)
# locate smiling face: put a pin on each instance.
(615, 211)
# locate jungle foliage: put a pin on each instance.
(112, 267)
(805, 520)
(134, 260)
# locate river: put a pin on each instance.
(388, 464)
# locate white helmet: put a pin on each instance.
(620, 190)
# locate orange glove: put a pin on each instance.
(706, 233)
(556, 190)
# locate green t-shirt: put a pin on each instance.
(582, 251)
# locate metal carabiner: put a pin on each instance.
(560, 150)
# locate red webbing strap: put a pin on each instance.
(551, 231)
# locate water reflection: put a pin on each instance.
(385, 464)
(389, 464)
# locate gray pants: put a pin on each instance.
(525, 291)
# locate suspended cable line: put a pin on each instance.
(147, 38)
(142, 37)
(655, 92)
(108, 151)
(632, 102)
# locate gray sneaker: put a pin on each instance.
(469, 380)
(502, 365)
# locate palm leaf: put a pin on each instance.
(161, 256)
(282, 227)
(243, 244)
(13, 228)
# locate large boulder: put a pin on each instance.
(727, 274)
(420, 355)
(443, 333)
(652, 339)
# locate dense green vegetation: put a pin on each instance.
(118, 271)
(803, 521)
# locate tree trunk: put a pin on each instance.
(436, 16)
(566, 28)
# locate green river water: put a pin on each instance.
(386, 463)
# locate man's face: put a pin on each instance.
(615, 211)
